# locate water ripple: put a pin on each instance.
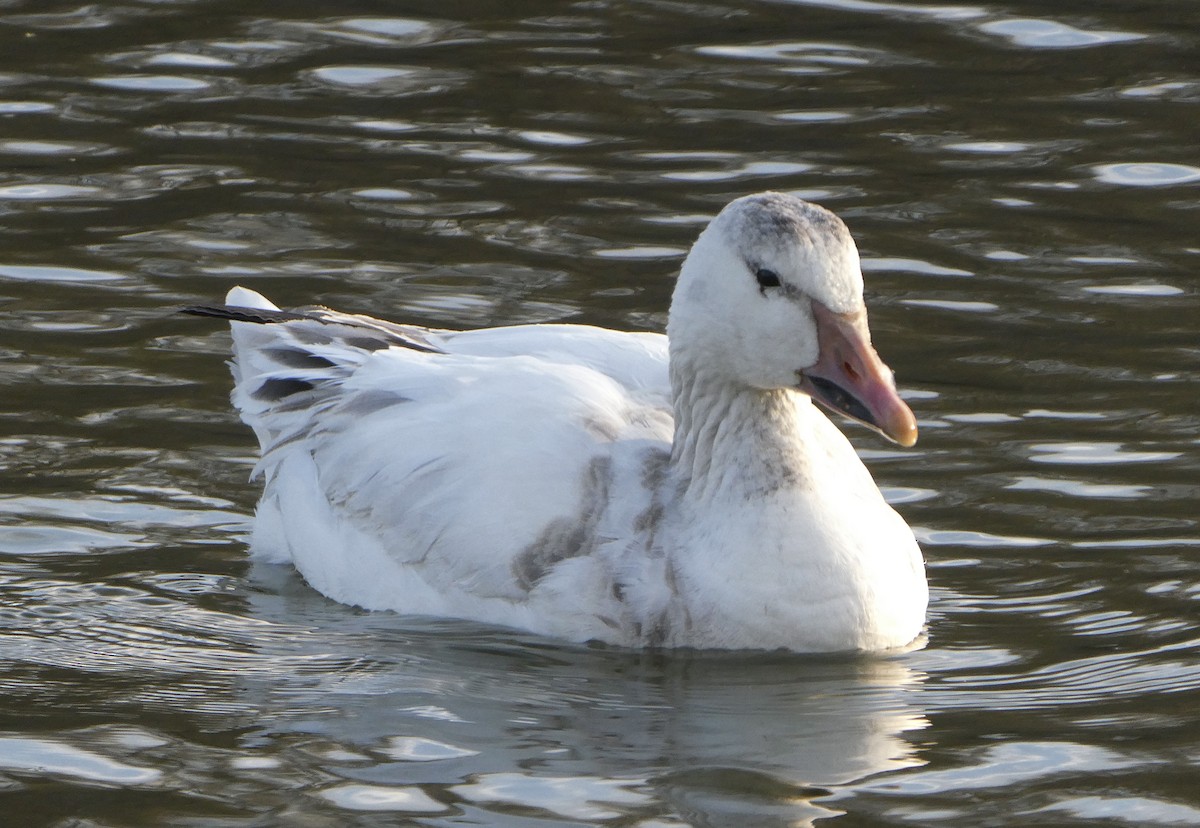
(808, 57)
(47, 192)
(386, 80)
(1134, 810)
(1134, 674)
(1013, 763)
(1035, 33)
(570, 797)
(50, 273)
(1088, 454)
(356, 797)
(44, 757)
(1147, 174)
(152, 83)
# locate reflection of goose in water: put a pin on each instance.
(597, 485)
(510, 727)
(259, 698)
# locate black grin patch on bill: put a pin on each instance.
(839, 399)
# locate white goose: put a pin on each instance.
(631, 488)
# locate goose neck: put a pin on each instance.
(735, 440)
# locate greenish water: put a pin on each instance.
(1024, 186)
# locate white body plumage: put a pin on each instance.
(590, 484)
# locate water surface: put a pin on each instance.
(1023, 183)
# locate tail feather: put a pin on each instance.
(240, 313)
(288, 362)
(247, 298)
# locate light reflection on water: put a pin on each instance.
(1022, 185)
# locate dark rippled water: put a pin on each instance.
(1024, 184)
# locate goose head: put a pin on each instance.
(771, 297)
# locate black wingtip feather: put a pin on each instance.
(371, 334)
(260, 316)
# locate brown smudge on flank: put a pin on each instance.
(567, 537)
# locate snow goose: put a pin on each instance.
(594, 485)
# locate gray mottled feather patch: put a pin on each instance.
(654, 467)
(309, 335)
(774, 221)
(278, 388)
(368, 402)
(603, 428)
(282, 441)
(297, 358)
(567, 537)
(366, 343)
(655, 462)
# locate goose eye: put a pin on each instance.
(766, 278)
